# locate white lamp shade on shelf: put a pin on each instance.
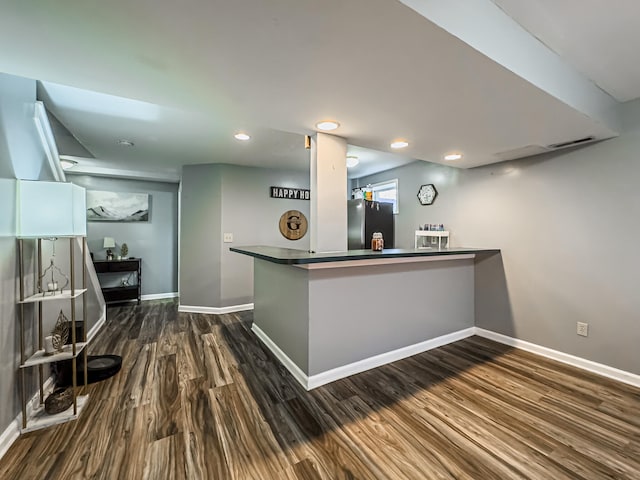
(79, 210)
(50, 209)
(109, 242)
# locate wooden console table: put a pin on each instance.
(114, 268)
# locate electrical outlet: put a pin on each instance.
(434, 240)
(582, 329)
(227, 238)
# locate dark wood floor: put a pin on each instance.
(200, 398)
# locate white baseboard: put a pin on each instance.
(10, 435)
(584, 364)
(215, 310)
(334, 374)
(159, 296)
(96, 328)
(12, 432)
(319, 379)
(297, 373)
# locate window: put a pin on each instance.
(386, 192)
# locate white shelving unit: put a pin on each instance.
(38, 418)
(429, 234)
(41, 358)
(46, 297)
(41, 419)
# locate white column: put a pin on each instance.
(328, 222)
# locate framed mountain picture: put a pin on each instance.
(117, 206)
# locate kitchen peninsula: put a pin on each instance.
(330, 315)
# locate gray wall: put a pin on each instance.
(21, 156)
(252, 216)
(356, 313)
(331, 317)
(200, 235)
(282, 308)
(567, 224)
(155, 241)
(219, 199)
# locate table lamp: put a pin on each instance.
(109, 243)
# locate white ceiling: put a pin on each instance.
(599, 38)
(276, 67)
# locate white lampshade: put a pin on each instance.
(109, 242)
(50, 209)
(79, 210)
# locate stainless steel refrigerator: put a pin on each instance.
(365, 218)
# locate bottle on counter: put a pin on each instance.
(377, 242)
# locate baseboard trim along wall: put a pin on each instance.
(215, 310)
(12, 432)
(582, 363)
(297, 373)
(99, 324)
(315, 381)
(159, 296)
(329, 376)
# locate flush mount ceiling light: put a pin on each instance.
(242, 136)
(453, 156)
(399, 144)
(66, 164)
(327, 125)
(352, 161)
(125, 143)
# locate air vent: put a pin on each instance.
(521, 152)
(572, 143)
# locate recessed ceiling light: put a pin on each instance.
(352, 161)
(126, 143)
(67, 164)
(242, 136)
(399, 144)
(327, 125)
(453, 156)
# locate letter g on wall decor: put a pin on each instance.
(293, 225)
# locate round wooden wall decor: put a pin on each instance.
(293, 225)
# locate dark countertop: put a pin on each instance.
(290, 256)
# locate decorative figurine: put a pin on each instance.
(60, 333)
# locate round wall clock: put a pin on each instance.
(293, 225)
(427, 194)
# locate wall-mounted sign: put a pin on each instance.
(293, 225)
(291, 193)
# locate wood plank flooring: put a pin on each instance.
(199, 397)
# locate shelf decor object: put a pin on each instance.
(435, 236)
(60, 333)
(47, 210)
(58, 401)
(52, 286)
